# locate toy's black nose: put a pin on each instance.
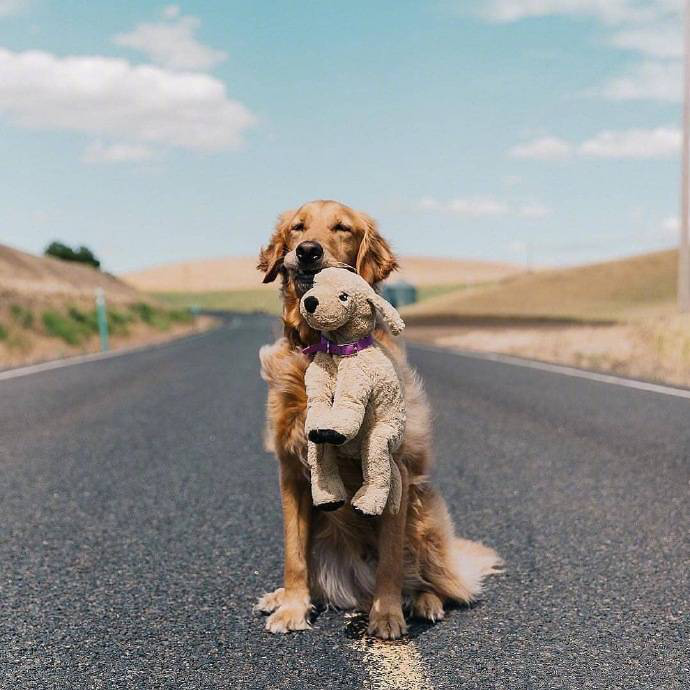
(310, 304)
(309, 253)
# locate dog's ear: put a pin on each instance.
(271, 256)
(375, 260)
(388, 312)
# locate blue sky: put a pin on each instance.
(495, 129)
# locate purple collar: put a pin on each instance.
(344, 350)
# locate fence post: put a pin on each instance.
(102, 319)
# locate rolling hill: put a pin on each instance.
(47, 310)
(239, 273)
(632, 288)
(43, 277)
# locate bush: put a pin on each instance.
(118, 322)
(62, 326)
(88, 320)
(181, 315)
(23, 316)
(153, 316)
(3, 332)
(80, 255)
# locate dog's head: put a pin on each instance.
(321, 234)
(345, 305)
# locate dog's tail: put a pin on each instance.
(454, 568)
(283, 369)
(472, 561)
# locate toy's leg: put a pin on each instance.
(327, 489)
(377, 471)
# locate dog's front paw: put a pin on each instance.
(270, 601)
(387, 622)
(292, 615)
(331, 436)
(288, 611)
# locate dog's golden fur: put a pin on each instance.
(343, 559)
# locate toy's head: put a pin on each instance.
(343, 304)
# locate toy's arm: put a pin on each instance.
(352, 390)
(320, 389)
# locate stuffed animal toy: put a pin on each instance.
(356, 405)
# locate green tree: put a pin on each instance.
(64, 252)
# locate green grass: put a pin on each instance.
(263, 300)
(3, 332)
(22, 316)
(63, 326)
(260, 300)
(76, 326)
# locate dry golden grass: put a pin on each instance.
(47, 310)
(638, 287)
(239, 273)
(46, 277)
(617, 316)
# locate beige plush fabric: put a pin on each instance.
(356, 402)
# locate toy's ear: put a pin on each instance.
(388, 312)
(375, 260)
(271, 256)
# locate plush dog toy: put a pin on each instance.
(356, 406)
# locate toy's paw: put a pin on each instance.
(330, 505)
(387, 622)
(327, 436)
(428, 606)
(368, 501)
(292, 614)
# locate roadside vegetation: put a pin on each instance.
(615, 316)
(30, 332)
(262, 300)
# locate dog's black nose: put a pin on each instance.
(310, 304)
(308, 253)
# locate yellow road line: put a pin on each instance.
(392, 665)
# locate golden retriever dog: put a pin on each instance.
(409, 561)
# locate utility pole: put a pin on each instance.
(684, 246)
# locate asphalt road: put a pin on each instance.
(140, 519)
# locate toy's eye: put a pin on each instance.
(343, 296)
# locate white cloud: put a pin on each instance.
(97, 152)
(609, 11)
(533, 211)
(171, 11)
(112, 98)
(483, 207)
(662, 142)
(671, 225)
(544, 148)
(662, 41)
(658, 81)
(172, 44)
(8, 7)
(479, 207)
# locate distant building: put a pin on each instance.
(399, 293)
